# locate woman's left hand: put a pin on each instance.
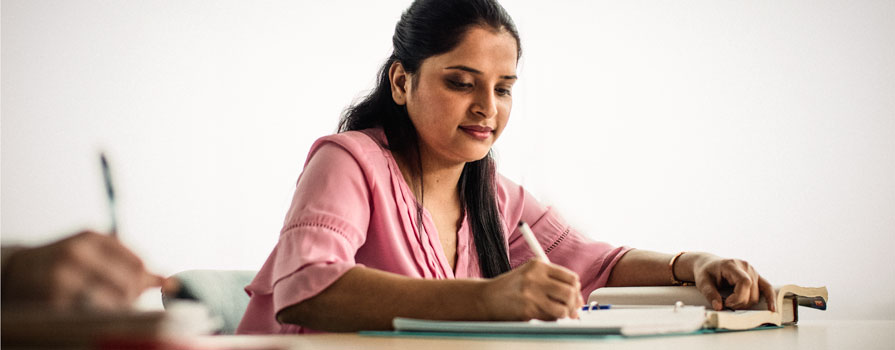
(711, 271)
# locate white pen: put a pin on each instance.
(532, 242)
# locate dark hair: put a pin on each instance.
(428, 28)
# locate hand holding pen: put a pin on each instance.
(86, 270)
(535, 290)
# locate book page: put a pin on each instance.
(758, 314)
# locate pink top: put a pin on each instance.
(352, 207)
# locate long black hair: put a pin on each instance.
(428, 28)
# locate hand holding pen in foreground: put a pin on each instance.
(84, 270)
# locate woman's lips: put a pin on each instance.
(476, 131)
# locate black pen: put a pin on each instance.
(110, 192)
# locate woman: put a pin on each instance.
(402, 212)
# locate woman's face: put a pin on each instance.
(460, 101)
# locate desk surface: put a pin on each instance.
(807, 335)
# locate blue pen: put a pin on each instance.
(596, 307)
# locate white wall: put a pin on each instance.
(763, 130)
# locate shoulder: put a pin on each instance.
(353, 156)
(516, 203)
(510, 200)
(508, 191)
(362, 145)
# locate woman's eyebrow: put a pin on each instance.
(476, 71)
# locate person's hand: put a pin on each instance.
(711, 272)
(537, 290)
(87, 270)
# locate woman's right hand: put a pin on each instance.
(535, 290)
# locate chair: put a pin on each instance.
(221, 291)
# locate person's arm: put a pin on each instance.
(368, 299)
(6, 252)
(646, 268)
(84, 270)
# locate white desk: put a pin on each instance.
(807, 335)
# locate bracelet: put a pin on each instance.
(674, 280)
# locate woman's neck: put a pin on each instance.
(440, 180)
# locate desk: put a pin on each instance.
(807, 335)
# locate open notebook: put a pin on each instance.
(641, 311)
(660, 320)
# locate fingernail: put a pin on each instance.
(716, 305)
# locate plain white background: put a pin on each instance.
(763, 130)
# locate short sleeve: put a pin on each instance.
(324, 227)
(591, 260)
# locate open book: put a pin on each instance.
(789, 298)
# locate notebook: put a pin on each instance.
(628, 322)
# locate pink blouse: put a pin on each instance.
(352, 207)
